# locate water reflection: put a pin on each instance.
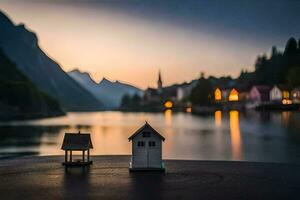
(76, 183)
(222, 136)
(218, 118)
(27, 140)
(285, 117)
(235, 135)
(168, 117)
(111, 140)
(141, 182)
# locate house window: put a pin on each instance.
(218, 95)
(141, 144)
(286, 94)
(233, 95)
(151, 144)
(146, 134)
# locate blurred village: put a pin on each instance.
(273, 85)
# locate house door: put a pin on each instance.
(140, 155)
(153, 156)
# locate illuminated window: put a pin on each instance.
(285, 95)
(233, 95)
(287, 101)
(168, 104)
(188, 109)
(218, 94)
(295, 94)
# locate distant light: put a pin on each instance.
(286, 94)
(234, 95)
(188, 109)
(286, 102)
(168, 104)
(218, 95)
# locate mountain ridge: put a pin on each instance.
(21, 46)
(20, 98)
(108, 92)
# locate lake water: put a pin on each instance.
(252, 136)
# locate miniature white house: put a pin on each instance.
(146, 149)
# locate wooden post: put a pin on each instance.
(71, 156)
(66, 156)
(83, 155)
(88, 155)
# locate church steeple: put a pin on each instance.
(159, 82)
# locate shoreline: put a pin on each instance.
(37, 177)
(36, 156)
(195, 113)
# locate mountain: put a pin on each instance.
(109, 93)
(21, 47)
(19, 97)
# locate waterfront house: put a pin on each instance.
(218, 94)
(225, 93)
(243, 92)
(154, 95)
(259, 94)
(77, 142)
(295, 94)
(184, 90)
(233, 95)
(146, 149)
(151, 95)
(279, 93)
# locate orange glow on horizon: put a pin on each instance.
(128, 43)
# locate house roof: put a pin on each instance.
(262, 88)
(151, 91)
(77, 141)
(296, 89)
(146, 126)
(283, 87)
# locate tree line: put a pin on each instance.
(278, 68)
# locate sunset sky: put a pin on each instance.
(130, 40)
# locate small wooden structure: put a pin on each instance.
(77, 142)
(146, 150)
